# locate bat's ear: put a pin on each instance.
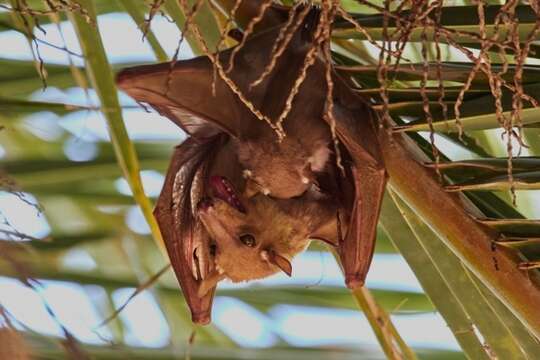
(275, 259)
(183, 93)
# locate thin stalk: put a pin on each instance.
(134, 10)
(390, 340)
(102, 80)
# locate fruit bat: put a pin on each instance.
(291, 169)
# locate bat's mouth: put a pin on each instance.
(224, 190)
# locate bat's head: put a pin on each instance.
(256, 237)
(281, 170)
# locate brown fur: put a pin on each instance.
(284, 227)
(283, 170)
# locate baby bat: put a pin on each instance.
(212, 232)
(285, 169)
(258, 236)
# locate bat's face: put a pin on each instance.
(257, 237)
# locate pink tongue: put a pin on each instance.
(224, 190)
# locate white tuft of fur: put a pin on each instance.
(247, 174)
(264, 255)
(220, 269)
(319, 157)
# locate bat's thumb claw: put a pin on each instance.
(201, 318)
(353, 281)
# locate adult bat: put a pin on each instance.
(283, 169)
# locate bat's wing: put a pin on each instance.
(355, 128)
(186, 240)
(183, 91)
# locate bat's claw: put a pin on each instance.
(353, 281)
(202, 318)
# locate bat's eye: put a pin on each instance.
(248, 240)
